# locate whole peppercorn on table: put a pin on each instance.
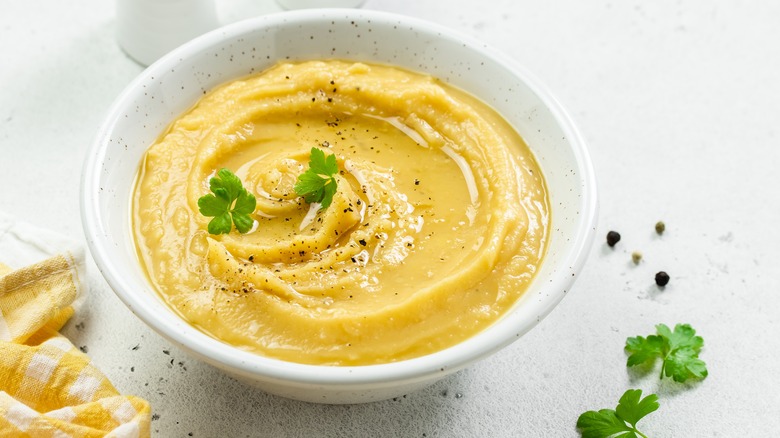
(678, 103)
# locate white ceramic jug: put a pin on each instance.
(148, 29)
(305, 4)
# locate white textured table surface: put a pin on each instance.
(679, 102)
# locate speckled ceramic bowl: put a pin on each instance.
(175, 82)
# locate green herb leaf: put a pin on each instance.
(679, 350)
(683, 364)
(230, 204)
(318, 183)
(210, 205)
(220, 224)
(644, 349)
(245, 203)
(621, 422)
(632, 407)
(227, 180)
(603, 423)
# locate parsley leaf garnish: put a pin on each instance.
(679, 350)
(230, 204)
(621, 422)
(318, 184)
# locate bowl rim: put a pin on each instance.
(213, 351)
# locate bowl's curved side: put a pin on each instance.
(175, 82)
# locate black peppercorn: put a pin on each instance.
(662, 279)
(613, 237)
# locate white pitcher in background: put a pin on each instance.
(148, 29)
(306, 4)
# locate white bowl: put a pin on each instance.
(175, 82)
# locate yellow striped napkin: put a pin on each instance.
(48, 387)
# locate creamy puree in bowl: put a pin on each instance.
(440, 220)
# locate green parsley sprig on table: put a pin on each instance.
(318, 183)
(621, 422)
(679, 350)
(229, 204)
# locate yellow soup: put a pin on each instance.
(439, 222)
